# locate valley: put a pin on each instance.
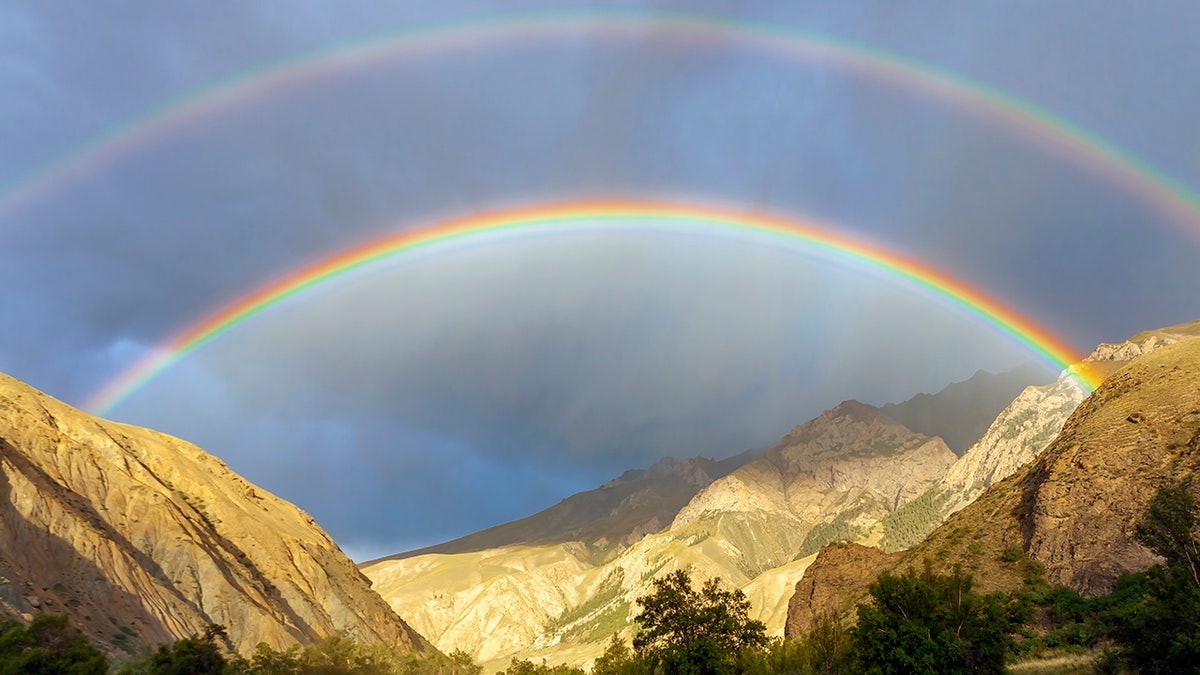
(140, 538)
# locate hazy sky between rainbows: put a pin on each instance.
(453, 391)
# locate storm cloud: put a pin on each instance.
(446, 393)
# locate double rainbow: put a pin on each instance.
(808, 236)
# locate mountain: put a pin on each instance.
(1073, 509)
(142, 538)
(1017, 435)
(832, 478)
(603, 521)
(963, 411)
(756, 528)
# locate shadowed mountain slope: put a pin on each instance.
(601, 522)
(963, 411)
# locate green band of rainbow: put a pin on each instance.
(1163, 194)
(488, 228)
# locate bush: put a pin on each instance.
(49, 644)
(931, 623)
(1161, 633)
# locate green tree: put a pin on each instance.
(525, 667)
(1162, 633)
(827, 647)
(49, 644)
(202, 654)
(931, 623)
(461, 663)
(617, 659)
(267, 661)
(686, 632)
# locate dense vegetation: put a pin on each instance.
(914, 622)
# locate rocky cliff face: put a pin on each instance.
(142, 538)
(1074, 508)
(830, 479)
(1139, 431)
(1017, 435)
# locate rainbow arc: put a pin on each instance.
(807, 237)
(1161, 193)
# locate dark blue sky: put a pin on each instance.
(462, 390)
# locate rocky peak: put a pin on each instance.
(851, 429)
(691, 471)
(852, 447)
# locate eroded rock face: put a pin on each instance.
(142, 538)
(1139, 431)
(839, 574)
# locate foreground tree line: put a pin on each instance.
(914, 622)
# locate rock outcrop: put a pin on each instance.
(142, 538)
(840, 571)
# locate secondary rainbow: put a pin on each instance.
(1158, 191)
(597, 216)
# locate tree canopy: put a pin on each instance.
(689, 632)
(931, 623)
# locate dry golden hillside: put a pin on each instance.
(142, 538)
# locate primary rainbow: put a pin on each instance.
(1160, 192)
(598, 216)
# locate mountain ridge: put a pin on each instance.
(141, 538)
(604, 520)
(546, 601)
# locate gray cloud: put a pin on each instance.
(553, 364)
